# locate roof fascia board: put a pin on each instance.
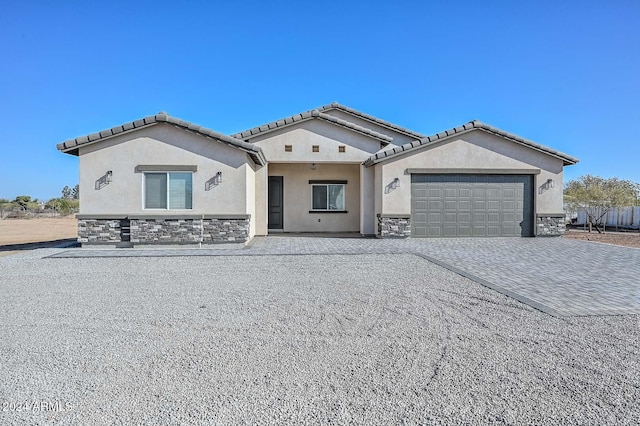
(448, 134)
(72, 146)
(61, 147)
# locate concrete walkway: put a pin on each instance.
(558, 276)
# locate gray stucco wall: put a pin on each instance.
(303, 135)
(474, 150)
(163, 144)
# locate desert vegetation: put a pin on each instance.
(24, 206)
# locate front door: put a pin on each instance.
(276, 204)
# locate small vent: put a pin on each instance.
(342, 148)
(288, 148)
(315, 148)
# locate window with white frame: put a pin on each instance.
(328, 196)
(172, 191)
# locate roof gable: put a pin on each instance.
(72, 146)
(465, 128)
(371, 119)
(310, 115)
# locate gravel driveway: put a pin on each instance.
(368, 339)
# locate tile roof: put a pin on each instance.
(368, 117)
(313, 114)
(72, 145)
(472, 125)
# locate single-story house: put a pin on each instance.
(331, 169)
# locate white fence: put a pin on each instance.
(625, 217)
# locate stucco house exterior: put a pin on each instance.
(332, 169)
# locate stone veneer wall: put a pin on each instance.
(225, 230)
(390, 226)
(96, 231)
(165, 230)
(172, 231)
(550, 225)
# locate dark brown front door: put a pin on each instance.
(276, 203)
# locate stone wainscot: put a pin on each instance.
(132, 230)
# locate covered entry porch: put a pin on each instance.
(316, 198)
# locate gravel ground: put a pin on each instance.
(627, 239)
(367, 339)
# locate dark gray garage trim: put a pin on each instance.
(463, 205)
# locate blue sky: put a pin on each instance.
(563, 74)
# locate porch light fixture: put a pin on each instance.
(395, 183)
(313, 166)
(108, 176)
(218, 178)
(550, 183)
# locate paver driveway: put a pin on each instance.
(558, 276)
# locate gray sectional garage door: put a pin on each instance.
(471, 205)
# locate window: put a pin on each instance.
(328, 197)
(171, 191)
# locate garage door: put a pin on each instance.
(471, 205)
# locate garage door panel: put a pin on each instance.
(493, 231)
(464, 231)
(420, 193)
(451, 205)
(493, 218)
(451, 217)
(450, 231)
(464, 217)
(464, 193)
(509, 216)
(420, 231)
(421, 217)
(421, 205)
(493, 205)
(435, 231)
(509, 229)
(508, 205)
(435, 217)
(472, 205)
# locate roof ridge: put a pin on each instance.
(369, 117)
(471, 125)
(313, 113)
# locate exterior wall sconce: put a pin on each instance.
(213, 182)
(108, 176)
(313, 166)
(395, 183)
(546, 186)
